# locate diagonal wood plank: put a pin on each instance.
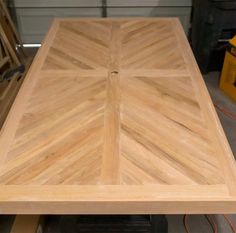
(114, 117)
(90, 53)
(142, 43)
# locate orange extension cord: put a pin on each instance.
(230, 223)
(225, 111)
(212, 223)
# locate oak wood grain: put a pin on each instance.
(114, 118)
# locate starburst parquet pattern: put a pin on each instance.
(115, 110)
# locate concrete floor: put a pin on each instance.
(197, 223)
(218, 97)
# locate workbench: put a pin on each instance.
(114, 117)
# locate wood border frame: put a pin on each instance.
(115, 199)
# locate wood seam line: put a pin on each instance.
(9, 127)
(203, 96)
(110, 173)
(156, 72)
(79, 72)
(134, 72)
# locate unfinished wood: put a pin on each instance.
(27, 224)
(12, 26)
(110, 164)
(4, 61)
(5, 53)
(10, 31)
(8, 92)
(114, 117)
(9, 46)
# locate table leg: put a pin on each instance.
(28, 224)
(159, 224)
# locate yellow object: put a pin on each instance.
(233, 41)
(228, 76)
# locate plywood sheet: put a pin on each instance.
(114, 117)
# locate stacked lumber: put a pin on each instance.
(12, 61)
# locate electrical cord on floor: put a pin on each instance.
(225, 111)
(209, 220)
(212, 223)
(186, 223)
(230, 223)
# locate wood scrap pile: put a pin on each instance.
(12, 61)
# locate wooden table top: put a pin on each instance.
(114, 118)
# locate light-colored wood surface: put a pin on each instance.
(27, 224)
(114, 117)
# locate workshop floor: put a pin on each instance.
(197, 223)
